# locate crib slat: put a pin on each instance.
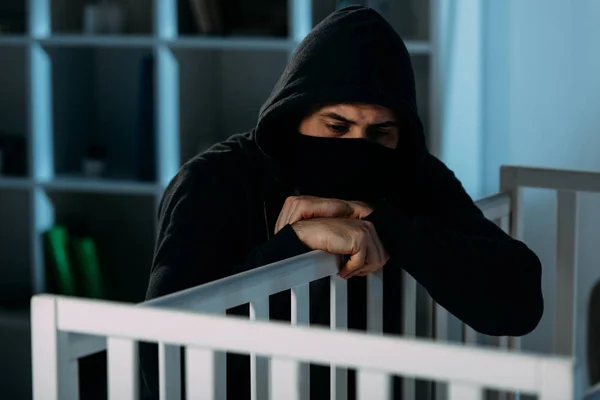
(409, 305)
(169, 372)
(441, 333)
(200, 374)
(460, 391)
(55, 377)
(502, 343)
(514, 344)
(205, 372)
(509, 184)
(374, 326)
(373, 385)
(409, 324)
(301, 305)
(375, 302)
(122, 359)
(566, 273)
(469, 335)
(259, 366)
(556, 381)
(284, 380)
(504, 224)
(220, 370)
(339, 321)
(440, 322)
(301, 316)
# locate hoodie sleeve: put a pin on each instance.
(201, 232)
(200, 227)
(469, 266)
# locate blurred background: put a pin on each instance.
(102, 101)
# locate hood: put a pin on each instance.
(353, 55)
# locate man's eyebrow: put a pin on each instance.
(385, 124)
(338, 117)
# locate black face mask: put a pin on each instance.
(347, 169)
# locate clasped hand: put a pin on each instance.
(336, 226)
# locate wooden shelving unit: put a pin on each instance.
(64, 90)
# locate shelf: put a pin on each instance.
(80, 40)
(67, 17)
(15, 317)
(107, 186)
(65, 91)
(15, 347)
(232, 43)
(212, 104)
(123, 229)
(410, 18)
(183, 42)
(13, 40)
(102, 103)
(15, 241)
(13, 113)
(9, 182)
(418, 47)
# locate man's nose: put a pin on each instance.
(359, 132)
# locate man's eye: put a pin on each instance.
(338, 128)
(381, 132)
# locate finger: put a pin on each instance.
(356, 262)
(305, 208)
(361, 272)
(371, 269)
(297, 208)
(359, 254)
(279, 218)
(292, 206)
(374, 257)
(365, 270)
(315, 207)
(360, 209)
(369, 256)
(284, 213)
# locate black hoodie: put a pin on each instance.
(217, 215)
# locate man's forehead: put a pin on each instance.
(357, 112)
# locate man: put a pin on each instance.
(338, 162)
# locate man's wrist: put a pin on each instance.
(387, 221)
(298, 228)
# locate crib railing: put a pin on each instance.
(375, 357)
(255, 286)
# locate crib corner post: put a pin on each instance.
(55, 376)
(510, 183)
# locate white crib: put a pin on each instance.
(66, 329)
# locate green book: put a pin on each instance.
(88, 267)
(59, 265)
